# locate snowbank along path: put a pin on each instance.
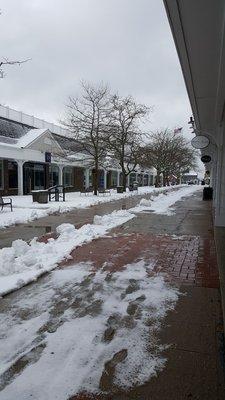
(24, 210)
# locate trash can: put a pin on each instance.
(207, 193)
(119, 189)
(40, 196)
(135, 185)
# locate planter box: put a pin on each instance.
(40, 196)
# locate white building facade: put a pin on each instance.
(34, 155)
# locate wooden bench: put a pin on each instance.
(5, 202)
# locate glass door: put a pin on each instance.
(39, 177)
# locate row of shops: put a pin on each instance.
(36, 176)
(33, 158)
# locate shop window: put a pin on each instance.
(132, 178)
(1, 174)
(145, 180)
(114, 178)
(53, 175)
(90, 178)
(68, 176)
(151, 180)
(101, 179)
(39, 176)
(12, 174)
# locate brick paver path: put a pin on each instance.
(189, 260)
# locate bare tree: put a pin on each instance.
(169, 153)
(124, 136)
(6, 62)
(87, 119)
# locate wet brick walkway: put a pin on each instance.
(186, 260)
(181, 247)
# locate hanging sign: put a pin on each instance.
(205, 159)
(200, 142)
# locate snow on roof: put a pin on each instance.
(30, 136)
(11, 129)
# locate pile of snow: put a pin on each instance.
(146, 202)
(20, 216)
(114, 219)
(161, 202)
(22, 263)
(76, 349)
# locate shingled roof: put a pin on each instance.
(12, 133)
(11, 129)
(68, 143)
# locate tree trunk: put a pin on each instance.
(95, 179)
(124, 181)
(157, 180)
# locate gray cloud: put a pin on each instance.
(126, 43)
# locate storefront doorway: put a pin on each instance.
(33, 177)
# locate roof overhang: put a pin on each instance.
(198, 29)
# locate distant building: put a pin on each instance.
(190, 177)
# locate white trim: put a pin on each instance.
(2, 174)
(29, 120)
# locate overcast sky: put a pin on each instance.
(125, 43)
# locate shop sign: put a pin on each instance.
(200, 142)
(205, 159)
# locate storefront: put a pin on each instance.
(112, 179)
(8, 177)
(35, 177)
(34, 158)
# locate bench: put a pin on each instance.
(86, 191)
(104, 191)
(5, 202)
(56, 193)
(133, 188)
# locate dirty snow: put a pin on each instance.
(65, 349)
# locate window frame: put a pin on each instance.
(71, 177)
(2, 174)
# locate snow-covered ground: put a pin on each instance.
(22, 262)
(78, 320)
(24, 210)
